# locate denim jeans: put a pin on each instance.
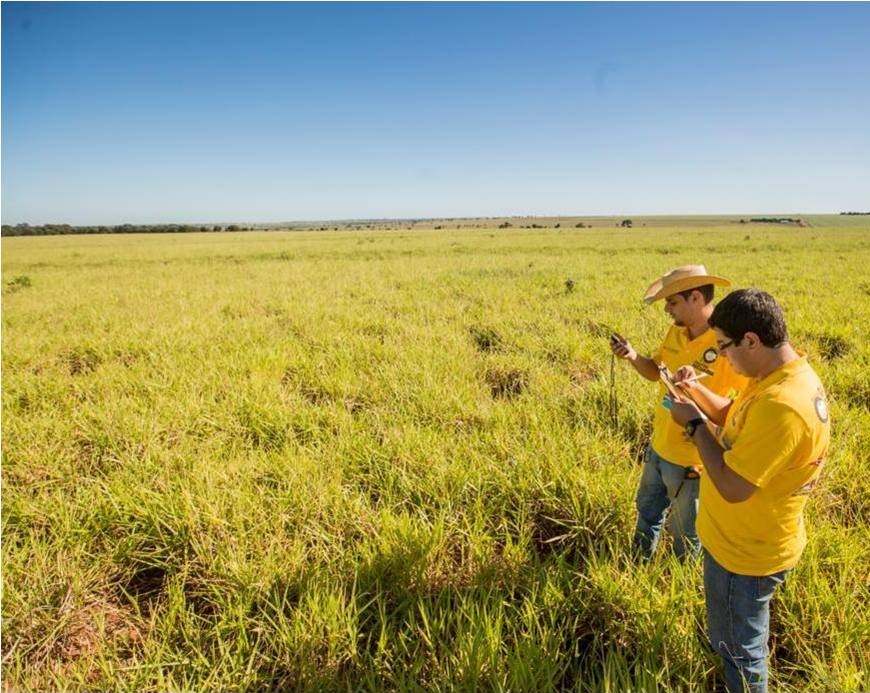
(738, 623)
(665, 492)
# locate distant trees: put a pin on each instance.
(774, 220)
(626, 223)
(62, 229)
(43, 230)
(25, 229)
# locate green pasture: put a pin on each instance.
(384, 460)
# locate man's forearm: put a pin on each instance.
(645, 366)
(714, 406)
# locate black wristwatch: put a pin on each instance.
(692, 426)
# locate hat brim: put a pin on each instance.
(656, 291)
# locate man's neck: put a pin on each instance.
(775, 360)
(700, 326)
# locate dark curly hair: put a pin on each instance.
(751, 310)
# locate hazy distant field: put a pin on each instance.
(384, 460)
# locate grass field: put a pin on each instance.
(385, 460)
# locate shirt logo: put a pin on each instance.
(710, 355)
(821, 408)
(702, 367)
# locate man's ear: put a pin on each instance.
(752, 340)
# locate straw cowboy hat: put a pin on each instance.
(681, 279)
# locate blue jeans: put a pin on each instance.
(665, 492)
(738, 622)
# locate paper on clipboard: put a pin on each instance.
(668, 379)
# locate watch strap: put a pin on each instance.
(692, 426)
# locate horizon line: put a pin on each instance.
(357, 220)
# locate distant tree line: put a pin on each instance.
(854, 214)
(775, 220)
(55, 229)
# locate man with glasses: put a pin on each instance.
(669, 482)
(758, 472)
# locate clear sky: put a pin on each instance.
(161, 112)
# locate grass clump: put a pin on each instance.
(18, 282)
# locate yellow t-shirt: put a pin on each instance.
(775, 436)
(678, 350)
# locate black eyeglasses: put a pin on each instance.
(730, 343)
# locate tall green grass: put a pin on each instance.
(369, 461)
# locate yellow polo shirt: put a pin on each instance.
(775, 436)
(678, 350)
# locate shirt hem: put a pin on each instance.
(752, 571)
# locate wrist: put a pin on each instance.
(692, 427)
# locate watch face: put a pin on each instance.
(692, 426)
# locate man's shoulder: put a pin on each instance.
(796, 387)
(786, 407)
(805, 395)
(671, 332)
(673, 338)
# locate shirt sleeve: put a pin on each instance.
(657, 354)
(770, 437)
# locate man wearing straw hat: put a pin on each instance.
(669, 482)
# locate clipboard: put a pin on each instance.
(668, 379)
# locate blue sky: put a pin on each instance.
(160, 112)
